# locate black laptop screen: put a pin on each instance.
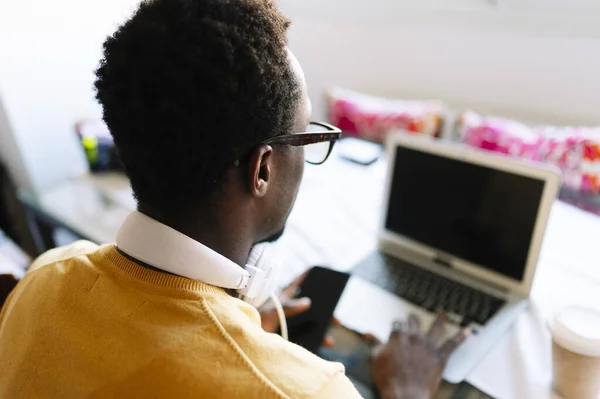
(482, 215)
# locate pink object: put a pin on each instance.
(575, 150)
(497, 134)
(373, 118)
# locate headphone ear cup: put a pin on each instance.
(255, 255)
(261, 258)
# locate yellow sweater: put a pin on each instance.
(87, 322)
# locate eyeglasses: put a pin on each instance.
(317, 141)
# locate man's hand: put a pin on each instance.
(410, 365)
(291, 306)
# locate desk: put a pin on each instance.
(335, 222)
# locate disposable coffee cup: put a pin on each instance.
(576, 353)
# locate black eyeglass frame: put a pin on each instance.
(330, 134)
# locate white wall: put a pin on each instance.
(48, 51)
(534, 59)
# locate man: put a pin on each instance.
(203, 99)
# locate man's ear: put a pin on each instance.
(259, 170)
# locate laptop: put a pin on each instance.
(461, 231)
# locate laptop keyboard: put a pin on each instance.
(428, 290)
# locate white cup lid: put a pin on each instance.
(577, 329)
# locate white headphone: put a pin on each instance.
(165, 248)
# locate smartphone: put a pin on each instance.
(324, 287)
(359, 151)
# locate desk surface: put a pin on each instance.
(335, 223)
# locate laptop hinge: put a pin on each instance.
(446, 262)
(445, 266)
(442, 261)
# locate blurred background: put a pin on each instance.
(446, 68)
(536, 60)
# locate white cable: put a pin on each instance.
(280, 316)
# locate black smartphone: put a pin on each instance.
(324, 287)
(359, 151)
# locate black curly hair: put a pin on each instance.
(186, 86)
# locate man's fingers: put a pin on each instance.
(290, 291)
(398, 328)
(438, 329)
(414, 325)
(294, 307)
(328, 342)
(372, 340)
(450, 346)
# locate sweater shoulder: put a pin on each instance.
(62, 254)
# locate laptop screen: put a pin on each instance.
(482, 215)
